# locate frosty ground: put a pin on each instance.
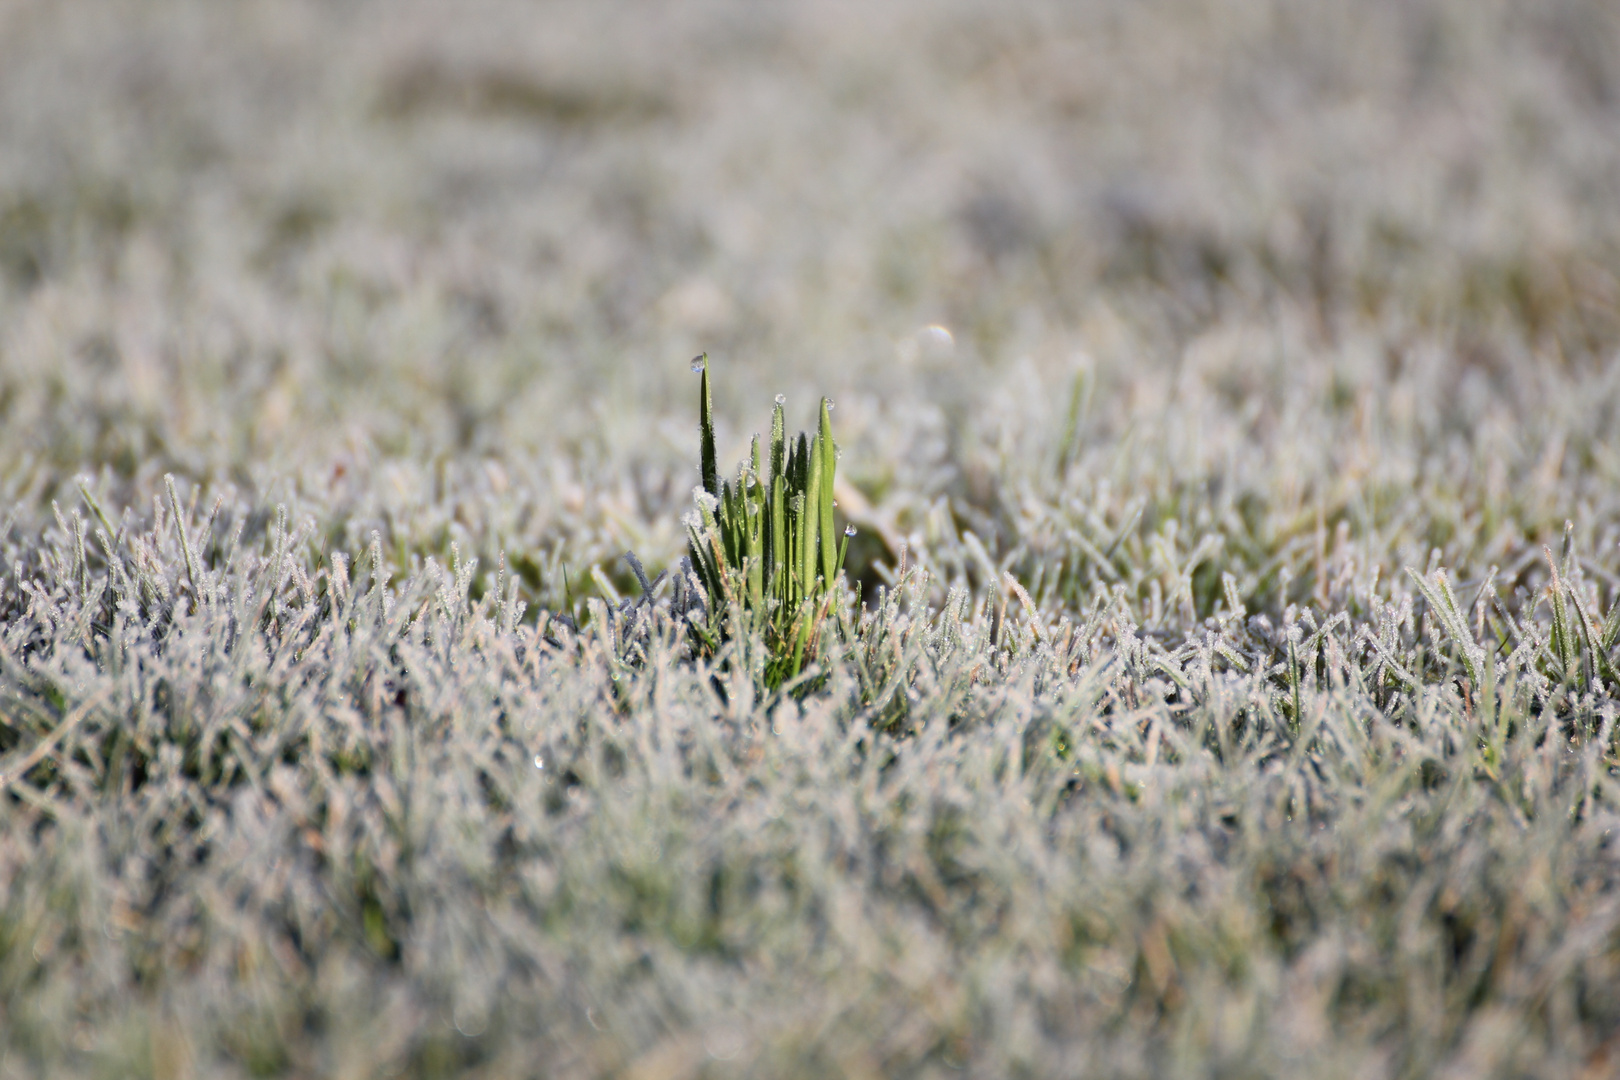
(1225, 396)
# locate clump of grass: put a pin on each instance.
(764, 547)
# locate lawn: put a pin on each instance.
(1186, 644)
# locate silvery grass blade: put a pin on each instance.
(1563, 641)
(1444, 605)
(1611, 628)
(1591, 641)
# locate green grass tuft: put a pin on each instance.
(764, 546)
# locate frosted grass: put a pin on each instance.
(1226, 406)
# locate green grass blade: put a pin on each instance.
(754, 540)
(798, 522)
(778, 552)
(829, 462)
(812, 520)
(711, 471)
(778, 441)
(800, 640)
(726, 518)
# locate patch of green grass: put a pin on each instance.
(764, 546)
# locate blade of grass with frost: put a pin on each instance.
(185, 539)
(1563, 638)
(1611, 628)
(95, 508)
(1444, 605)
(1591, 641)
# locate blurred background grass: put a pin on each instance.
(437, 269)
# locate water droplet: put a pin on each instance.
(471, 1022)
(781, 399)
(539, 762)
(725, 1043)
(831, 405)
(697, 364)
(849, 530)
